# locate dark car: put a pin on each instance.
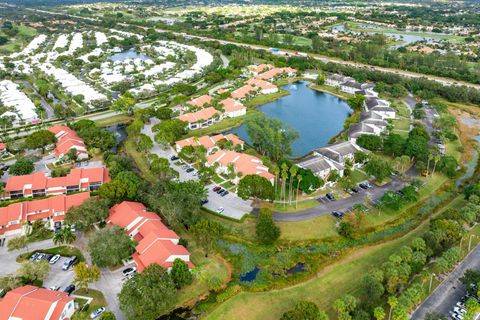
(204, 201)
(219, 191)
(337, 214)
(363, 186)
(215, 189)
(354, 190)
(173, 158)
(330, 197)
(48, 256)
(69, 289)
(190, 170)
(224, 193)
(34, 256)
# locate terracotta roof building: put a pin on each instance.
(201, 101)
(39, 185)
(241, 162)
(260, 68)
(243, 92)
(233, 108)
(264, 86)
(276, 72)
(33, 303)
(51, 210)
(202, 118)
(156, 242)
(209, 142)
(67, 139)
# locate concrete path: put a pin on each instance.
(9, 265)
(447, 294)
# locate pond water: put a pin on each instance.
(128, 54)
(300, 267)
(316, 116)
(250, 276)
(119, 133)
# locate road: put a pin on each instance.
(326, 207)
(48, 108)
(447, 294)
(325, 59)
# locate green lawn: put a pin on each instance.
(262, 99)
(358, 176)
(402, 124)
(314, 229)
(328, 285)
(332, 90)
(140, 160)
(107, 122)
(25, 34)
(301, 205)
(97, 302)
(222, 126)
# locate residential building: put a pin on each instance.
(340, 152)
(51, 210)
(243, 92)
(233, 108)
(264, 86)
(33, 303)
(201, 118)
(3, 149)
(67, 139)
(201, 101)
(242, 164)
(335, 80)
(156, 242)
(209, 142)
(380, 107)
(366, 127)
(320, 166)
(260, 68)
(351, 87)
(274, 73)
(39, 185)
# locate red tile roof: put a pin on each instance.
(39, 181)
(3, 146)
(242, 92)
(156, 242)
(66, 140)
(201, 115)
(54, 207)
(201, 101)
(33, 303)
(270, 74)
(231, 105)
(209, 141)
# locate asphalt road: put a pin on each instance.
(447, 294)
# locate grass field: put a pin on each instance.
(402, 124)
(262, 99)
(329, 89)
(25, 34)
(301, 205)
(140, 160)
(107, 122)
(314, 229)
(328, 285)
(222, 126)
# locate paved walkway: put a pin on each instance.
(447, 294)
(9, 265)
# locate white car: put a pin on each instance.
(54, 288)
(459, 310)
(220, 210)
(54, 259)
(97, 312)
(457, 316)
(129, 271)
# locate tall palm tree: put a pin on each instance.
(299, 179)
(293, 173)
(64, 236)
(284, 179)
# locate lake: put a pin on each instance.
(128, 54)
(316, 116)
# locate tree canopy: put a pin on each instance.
(255, 186)
(110, 246)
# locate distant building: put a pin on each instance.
(243, 92)
(32, 303)
(233, 108)
(202, 118)
(201, 101)
(209, 142)
(335, 80)
(265, 87)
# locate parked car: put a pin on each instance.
(190, 170)
(174, 158)
(34, 256)
(40, 257)
(54, 288)
(215, 189)
(457, 316)
(129, 271)
(69, 289)
(355, 190)
(363, 186)
(97, 313)
(219, 191)
(204, 201)
(48, 256)
(459, 310)
(330, 197)
(337, 214)
(220, 210)
(69, 262)
(224, 193)
(54, 259)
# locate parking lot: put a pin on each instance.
(57, 276)
(234, 207)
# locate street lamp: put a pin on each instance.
(431, 280)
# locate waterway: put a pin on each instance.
(316, 116)
(128, 54)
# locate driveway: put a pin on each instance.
(234, 206)
(447, 294)
(110, 284)
(8, 265)
(59, 277)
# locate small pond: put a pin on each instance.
(128, 54)
(316, 116)
(119, 133)
(250, 276)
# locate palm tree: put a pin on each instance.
(64, 236)
(436, 158)
(293, 173)
(428, 163)
(299, 179)
(284, 179)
